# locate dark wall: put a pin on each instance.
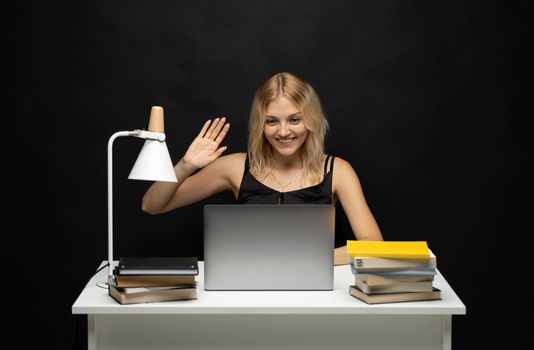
(426, 100)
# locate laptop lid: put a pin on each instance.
(269, 247)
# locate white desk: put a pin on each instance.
(269, 319)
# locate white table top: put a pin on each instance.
(95, 300)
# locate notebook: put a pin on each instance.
(269, 247)
(157, 266)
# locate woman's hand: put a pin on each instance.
(205, 148)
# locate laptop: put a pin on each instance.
(269, 247)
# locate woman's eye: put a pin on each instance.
(271, 121)
(294, 120)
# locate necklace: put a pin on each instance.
(289, 183)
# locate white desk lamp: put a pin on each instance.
(152, 164)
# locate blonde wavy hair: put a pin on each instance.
(306, 100)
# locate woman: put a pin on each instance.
(285, 162)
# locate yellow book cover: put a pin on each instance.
(389, 249)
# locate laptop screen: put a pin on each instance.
(269, 247)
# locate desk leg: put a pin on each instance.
(91, 332)
(446, 332)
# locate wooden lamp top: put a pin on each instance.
(156, 120)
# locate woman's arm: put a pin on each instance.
(223, 174)
(202, 153)
(347, 188)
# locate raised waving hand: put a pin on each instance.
(205, 148)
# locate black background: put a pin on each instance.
(426, 100)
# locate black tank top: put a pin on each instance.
(252, 191)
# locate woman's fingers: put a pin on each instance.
(222, 134)
(204, 129)
(215, 128)
(212, 129)
(218, 153)
(210, 126)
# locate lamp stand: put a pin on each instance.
(110, 195)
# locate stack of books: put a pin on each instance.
(389, 272)
(154, 279)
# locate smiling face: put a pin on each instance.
(284, 128)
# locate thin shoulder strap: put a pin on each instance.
(332, 164)
(246, 164)
(326, 164)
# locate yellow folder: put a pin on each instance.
(389, 249)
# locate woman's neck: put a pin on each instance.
(287, 163)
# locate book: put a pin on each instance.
(157, 266)
(399, 287)
(388, 249)
(384, 280)
(154, 280)
(136, 295)
(435, 294)
(370, 263)
(401, 272)
(419, 270)
(137, 290)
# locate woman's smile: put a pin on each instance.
(286, 141)
(284, 128)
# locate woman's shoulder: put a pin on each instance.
(231, 161)
(229, 166)
(337, 159)
(344, 176)
(341, 165)
(234, 157)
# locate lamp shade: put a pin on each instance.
(153, 163)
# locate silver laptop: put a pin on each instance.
(269, 247)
